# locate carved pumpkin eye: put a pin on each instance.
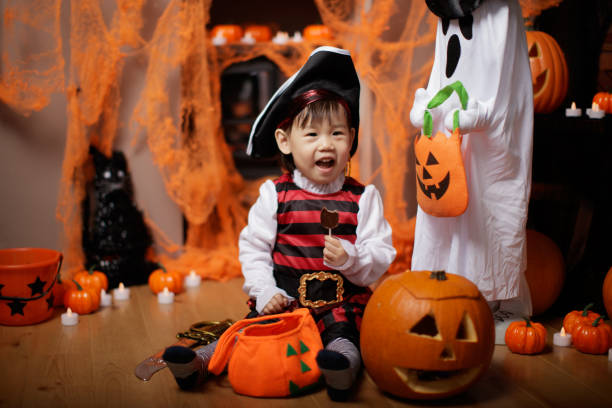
(426, 327)
(467, 330)
(534, 51)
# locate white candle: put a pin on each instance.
(121, 293)
(106, 299)
(219, 39)
(69, 318)
(573, 112)
(297, 37)
(594, 112)
(281, 38)
(562, 339)
(193, 280)
(610, 355)
(165, 297)
(248, 39)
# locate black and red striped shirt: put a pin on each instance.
(300, 237)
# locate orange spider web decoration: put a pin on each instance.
(391, 43)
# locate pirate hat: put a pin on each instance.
(452, 9)
(327, 68)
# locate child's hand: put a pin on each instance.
(275, 305)
(333, 253)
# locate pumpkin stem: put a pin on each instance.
(91, 269)
(527, 321)
(596, 321)
(79, 287)
(162, 267)
(586, 309)
(438, 275)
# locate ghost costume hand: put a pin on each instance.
(417, 113)
(476, 117)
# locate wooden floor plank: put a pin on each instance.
(92, 364)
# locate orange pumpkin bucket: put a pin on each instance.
(27, 276)
(441, 183)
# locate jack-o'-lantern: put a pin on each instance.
(426, 335)
(549, 73)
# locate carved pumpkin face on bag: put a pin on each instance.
(441, 183)
(426, 335)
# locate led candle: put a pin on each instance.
(573, 112)
(219, 39)
(69, 318)
(248, 39)
(594, 112)
(281, 38)
(106, 299)
(165, 297)
(121, 293)
(193, 280)
(562, 339)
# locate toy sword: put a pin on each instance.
(199, 334)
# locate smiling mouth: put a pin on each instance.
(431, 382)
(325, 163)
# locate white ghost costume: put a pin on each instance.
(485, 244)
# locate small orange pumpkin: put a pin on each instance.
(575, 318)
(261, 33)
(92, 279)
(607, 292)
(82, 300)
(604, 100)
(545, 271)
(526, 337)
(162, 278)
(231, 32)
(318, 33)
(549, 73)
(593, 338)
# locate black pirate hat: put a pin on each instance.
(327, 68)
(451, 9)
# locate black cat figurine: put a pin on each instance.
(115, 237)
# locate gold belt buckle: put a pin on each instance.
(322, 276)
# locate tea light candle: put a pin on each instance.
(248, 39)
(281, 38)
(562, 339)
(219, 39)
(165, 297)
(573, 112)
(69, 318)
(193, 280)
(121, 293)
(297, 37)
(106, 299)
(594, 112)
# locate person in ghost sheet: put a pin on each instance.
(482, 44)
(313, 120)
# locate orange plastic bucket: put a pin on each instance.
(27, 276)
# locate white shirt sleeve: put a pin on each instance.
(255, 245)
(373, 252)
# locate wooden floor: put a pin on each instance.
(92, 364)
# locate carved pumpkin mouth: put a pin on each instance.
(436, 382)
(437, 190)
(540, 82)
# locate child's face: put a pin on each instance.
(321, 149)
